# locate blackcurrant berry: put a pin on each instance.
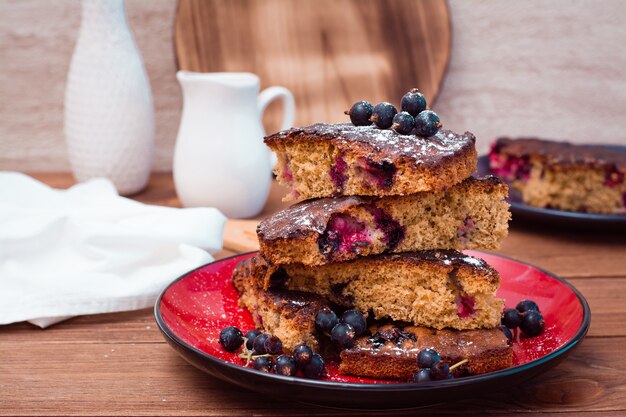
(427, 123)
(315, 369)
(343, 335)
(423, 375)
(532, 323)
(273, 345)
(302, 354)
(325, 320)
(382, 115)
(507, 333)
(250, 336)
(285, 365)
(360, 113)
(427, 358)
(403, 123)
(231, 338)
(440, 370)
(259, 344)
(263, 363)
(356, 320)
(527, 305)
(511, 318)
(413, 102)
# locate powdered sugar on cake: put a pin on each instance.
(419, 149)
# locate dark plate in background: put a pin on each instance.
(192, 310)
(559, 218)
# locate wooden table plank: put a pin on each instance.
(606, 298)
(568, 253)
(151, 379)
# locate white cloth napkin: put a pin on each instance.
(87, 250)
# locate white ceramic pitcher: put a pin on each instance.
(220, 159)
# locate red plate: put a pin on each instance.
(192, 311)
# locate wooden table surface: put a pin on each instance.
(119, 364)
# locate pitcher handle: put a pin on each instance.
(289, 105)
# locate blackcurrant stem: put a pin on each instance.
(247, 354)
(456, 365)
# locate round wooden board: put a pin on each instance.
(329, 53)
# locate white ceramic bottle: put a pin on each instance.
(109, 115)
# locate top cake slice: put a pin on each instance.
(327, 160)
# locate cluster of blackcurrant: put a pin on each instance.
(413, 115)
(432, 367)
(526, 316)
(343, 330)
(266, 353)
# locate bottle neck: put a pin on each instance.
(101, 17)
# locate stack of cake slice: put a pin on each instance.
(380, 230)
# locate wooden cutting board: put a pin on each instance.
(329, 53)
(240, 235)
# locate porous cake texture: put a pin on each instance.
(327, 160)
(289, 315)
(469, 215)
(563, 176)
(391, 351)
(440, 289)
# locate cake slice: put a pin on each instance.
(440, 289)
(391, 351)
(326, 160)
(289, 315)
(470, 215)
(563, 176)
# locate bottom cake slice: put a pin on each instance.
(391, 351)
(289, 315)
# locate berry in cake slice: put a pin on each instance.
(469, 215)
(562, 176)
(326, 160)
(440, 288)
(391, 351)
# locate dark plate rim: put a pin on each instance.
(393, 387)
(483, 162)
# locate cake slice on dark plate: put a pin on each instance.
(469, 215)
(561, 175)
(440, 289)
(326, 160)
(390, 352)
